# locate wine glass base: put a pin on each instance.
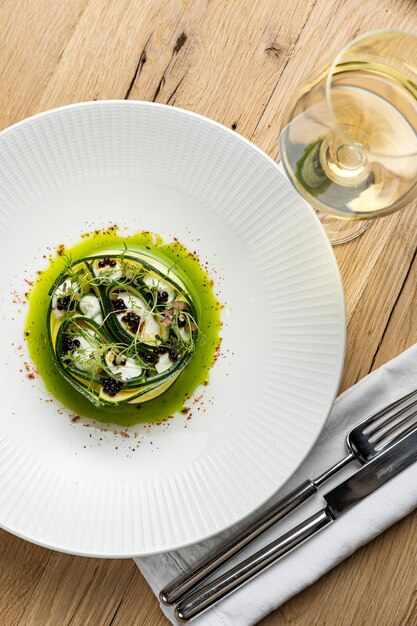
(341, 231)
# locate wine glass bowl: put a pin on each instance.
(349, 138)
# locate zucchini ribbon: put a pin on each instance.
(122, 325)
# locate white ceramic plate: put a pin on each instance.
(152, 167)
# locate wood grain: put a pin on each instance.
(237, 62)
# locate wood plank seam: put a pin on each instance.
(29, 597)
(175, 51)
(393, 310)
(288, 59)
(139, 67)
(86, 590)
(117, 609)
(71, 33)
(170, 99)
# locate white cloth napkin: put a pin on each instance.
(311, 560)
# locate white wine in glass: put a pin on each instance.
(349, 138)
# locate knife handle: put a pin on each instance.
(176, 590)
(222, 586)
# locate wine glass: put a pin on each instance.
(349, 138)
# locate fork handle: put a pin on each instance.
(176, 590)
(219, 588)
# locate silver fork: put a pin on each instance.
(365, 441)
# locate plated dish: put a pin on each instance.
(74, 483)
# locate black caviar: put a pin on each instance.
(63, 304)
(111, 386)
(181, 320)
(119, 304)
(132, 321)
(162, 297)
(69, 344)
(150, 358)
(106, 262)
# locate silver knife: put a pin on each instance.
(339, 500)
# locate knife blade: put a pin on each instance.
(347, 494)
(373, 475)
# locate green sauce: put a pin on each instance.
(196, 372)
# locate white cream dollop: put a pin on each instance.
(108, 274)
(90, 307)
(164, 363)
(84, 356)
(155, 281)
(129, 369)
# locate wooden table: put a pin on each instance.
(236, 61)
